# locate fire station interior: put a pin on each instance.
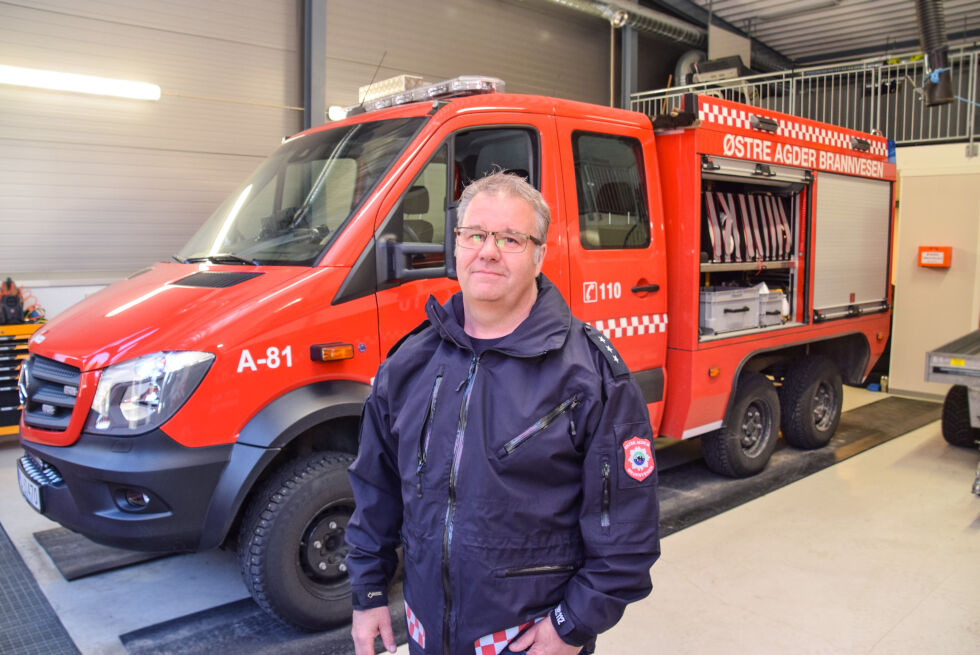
(867, 544)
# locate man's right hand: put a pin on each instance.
(368, 624)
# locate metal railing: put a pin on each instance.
(869, 95)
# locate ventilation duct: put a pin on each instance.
(626, 14)
(932, 32)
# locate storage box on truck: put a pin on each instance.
(215, 398)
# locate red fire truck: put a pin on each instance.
(738, 258)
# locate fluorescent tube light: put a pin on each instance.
(103, 86)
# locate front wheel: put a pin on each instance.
(292, 550)
(744, 445)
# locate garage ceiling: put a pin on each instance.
(808, 31)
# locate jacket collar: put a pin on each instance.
(545, 329)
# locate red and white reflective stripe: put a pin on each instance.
(615, 328)
(494, 644)
(415, 629)
(799, 130)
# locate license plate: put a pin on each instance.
(30, 489)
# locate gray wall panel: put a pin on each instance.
(102, 184)
(533, 46)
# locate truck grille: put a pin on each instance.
(52, 388)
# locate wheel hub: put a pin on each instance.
(323, 551)
(823, 407)
(753, 427)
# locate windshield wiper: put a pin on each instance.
(178, 259)
(222, 258)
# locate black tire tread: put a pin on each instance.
(797, 422)
(264, 506)
(955, 421)
(720, 448)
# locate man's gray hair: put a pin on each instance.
(512, 186)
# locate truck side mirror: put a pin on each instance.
(395, 259)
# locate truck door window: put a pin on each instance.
(477, 153)
(420, 215)
(612, 208)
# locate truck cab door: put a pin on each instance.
(616, 250)
(422, 209)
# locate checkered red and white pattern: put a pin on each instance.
(628, 326)
(494, 644)
(415, 629)
(731, 117)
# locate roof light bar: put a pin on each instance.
(464, 85)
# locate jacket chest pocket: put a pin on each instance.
(563, 412)
(425, 435)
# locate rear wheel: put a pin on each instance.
(811, 399)
(956, 418)
(292, 549)
(746, 442)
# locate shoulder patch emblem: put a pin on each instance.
(638, 462)
(603, 345)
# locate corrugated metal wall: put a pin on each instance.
(534, 47)
(90, 184)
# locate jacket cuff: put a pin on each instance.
(568, 627)
(365, 598)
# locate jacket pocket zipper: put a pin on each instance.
(539, 570)
(604, 508)
(426, 433)
(538, 426)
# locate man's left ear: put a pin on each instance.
(539, 255)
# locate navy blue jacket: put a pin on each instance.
(520, 481)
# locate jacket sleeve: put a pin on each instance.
(374, 528)
(620, 512)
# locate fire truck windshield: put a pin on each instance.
(289, 210)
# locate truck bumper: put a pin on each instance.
(140, 493)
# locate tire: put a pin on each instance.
(746, 442)
(291, 546)
(955, 422)
(810, 400)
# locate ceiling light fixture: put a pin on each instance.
(103, 86)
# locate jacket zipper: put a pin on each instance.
(539, 426)
(604, 510)
(426, 433)
(447, 537)
(539, 570)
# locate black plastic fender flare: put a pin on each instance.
(265, 435)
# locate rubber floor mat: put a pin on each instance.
(77, 556)
(28, 624)
(691, 493)
(244, 629)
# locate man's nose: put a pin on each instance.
(489, 249)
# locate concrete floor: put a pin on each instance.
(878, 554)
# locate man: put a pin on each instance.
(507, 448)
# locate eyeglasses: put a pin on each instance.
(505, 240)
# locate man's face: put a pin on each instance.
(486, 274)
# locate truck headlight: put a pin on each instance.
(141, 394)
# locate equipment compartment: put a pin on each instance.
(752, 232)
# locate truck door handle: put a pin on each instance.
(645, 287)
